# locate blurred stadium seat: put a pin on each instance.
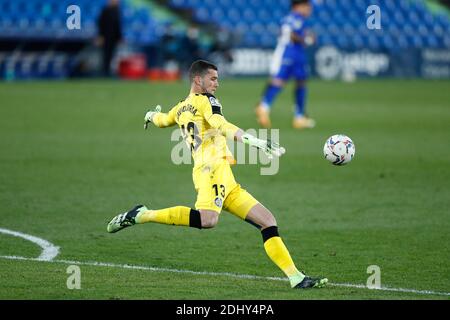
(406, 24)
(337, 22)
(44, 19)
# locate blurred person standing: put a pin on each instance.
(191, 45)
(109, 33)
(289, 60)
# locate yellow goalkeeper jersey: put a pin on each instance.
(203, 127)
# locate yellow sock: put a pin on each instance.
(178, 216)
(279, 254)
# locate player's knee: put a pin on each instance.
(209, 219)
(268, 221)
(300, 83)
(261, 216)
(277, 82)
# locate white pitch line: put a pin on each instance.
(221, 274)
(49, 251)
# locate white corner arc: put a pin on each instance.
(49, 250)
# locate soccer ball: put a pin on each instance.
(339, 149)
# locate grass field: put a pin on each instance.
(74, 154)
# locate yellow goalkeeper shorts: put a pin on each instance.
(216, 189)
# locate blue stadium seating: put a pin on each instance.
(405, 23)
(46, 19)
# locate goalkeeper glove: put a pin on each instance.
(269, 147)
(149, 116)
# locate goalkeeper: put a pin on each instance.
(205, 130)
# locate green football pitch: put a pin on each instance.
(74, 154)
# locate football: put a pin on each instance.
(339, 149)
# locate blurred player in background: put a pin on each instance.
(289, 60)
(205, 129)
(110, 33)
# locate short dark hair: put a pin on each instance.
(200, 68)
(295, 2)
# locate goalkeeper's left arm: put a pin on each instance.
(231, 131)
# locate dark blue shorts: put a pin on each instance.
(287, 67)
